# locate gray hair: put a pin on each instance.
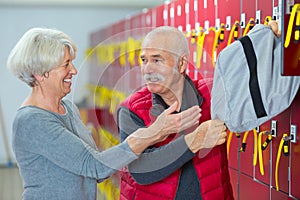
(172, 40)
(37, 52)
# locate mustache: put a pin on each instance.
(154, 77)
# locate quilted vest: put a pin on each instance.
(212, 170)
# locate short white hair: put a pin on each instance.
(37, 52)
(173, 40)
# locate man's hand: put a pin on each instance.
(207, 135)
(166, 124)
(274, 26)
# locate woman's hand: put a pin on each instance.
(168, 123)
(165, 124)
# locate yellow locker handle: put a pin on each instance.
(122, 59)
(295, 11)
(238, 135)
(249, 26)
(286, 146)
(281, 144)
(244, 142)
(255, 147)
(260, 157)
(262, 146)
(266, 143)
(297, 27)
(200, 44)
(193, 36)
(267, 19)
(233, 32)
(229, 138)
(219, 37)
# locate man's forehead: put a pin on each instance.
(161, 42)
(153, 49)
(156, 51)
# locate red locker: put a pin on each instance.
(248, 12)
(263, 10)
(234, 177)
(295, 149)
(233, 146)
(283, 126)
(159, 16)
(279, 195)
(251, 189)
(191, 37)
(291, 52)
(227, 16)
(247, 157)
(192, 13)
(179, 15)
(190, 16)
(206, 12)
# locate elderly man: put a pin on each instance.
(191, 164)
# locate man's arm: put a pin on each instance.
(155, 163)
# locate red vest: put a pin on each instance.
(212, 170)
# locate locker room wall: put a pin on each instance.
(114, 55)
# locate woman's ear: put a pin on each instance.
(38, 77)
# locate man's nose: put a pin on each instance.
(148, 67)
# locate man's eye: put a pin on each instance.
(144, 61)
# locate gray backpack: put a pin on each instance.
(248, 88)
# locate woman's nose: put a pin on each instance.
(73, 69)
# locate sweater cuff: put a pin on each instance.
(124, 146)
(185, 146)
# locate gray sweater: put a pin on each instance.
(57, 156)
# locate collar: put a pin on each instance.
(190, 98)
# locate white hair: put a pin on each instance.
(171, 40)
(37, 52)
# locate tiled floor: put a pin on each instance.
(11, 186)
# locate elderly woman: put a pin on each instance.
(55, 152)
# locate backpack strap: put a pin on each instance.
(253, 82)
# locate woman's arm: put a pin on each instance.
(155, 163)
(44, 135)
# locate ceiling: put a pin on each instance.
(103, 3)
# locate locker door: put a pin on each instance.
(295, 149)
(291, 55)
(191, 36)
(283, 126)
(179, 15)
(248, 11)
(263, 10)
(228, 12)
(250, 189)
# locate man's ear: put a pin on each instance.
(182, 64)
